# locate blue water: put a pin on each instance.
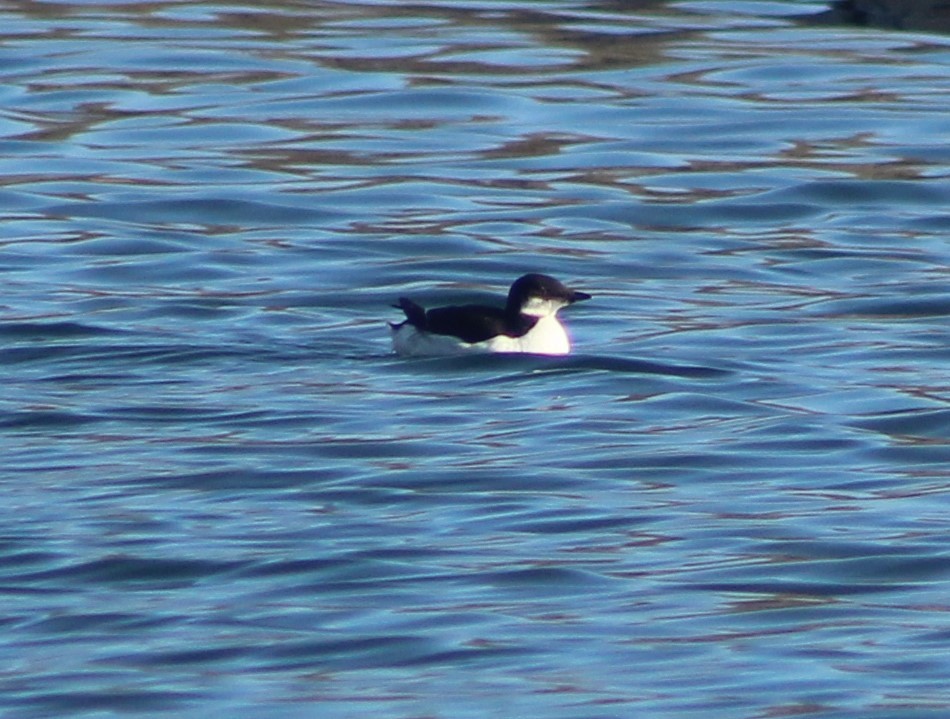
(224, 496)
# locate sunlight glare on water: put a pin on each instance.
(223, 493)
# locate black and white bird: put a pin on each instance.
(527, 323)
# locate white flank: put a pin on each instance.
(547, 337)
(410, 342)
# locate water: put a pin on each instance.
(222, 493)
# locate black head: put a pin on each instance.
(541, 290)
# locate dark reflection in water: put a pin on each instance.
(920, 15)
(223, 494)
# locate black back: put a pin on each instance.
(476, 323)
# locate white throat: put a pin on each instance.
(538, 307)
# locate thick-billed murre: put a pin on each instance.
(527, 323)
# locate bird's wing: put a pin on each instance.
(470, 323)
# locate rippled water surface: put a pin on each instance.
(224, 496)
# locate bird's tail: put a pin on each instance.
(415, 314)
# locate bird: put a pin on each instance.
(528, 323)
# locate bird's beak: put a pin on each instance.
(578, 296)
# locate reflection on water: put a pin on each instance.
(224, 494)
(920, 15)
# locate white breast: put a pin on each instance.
(547, 337)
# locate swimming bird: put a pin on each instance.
(527, 323)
